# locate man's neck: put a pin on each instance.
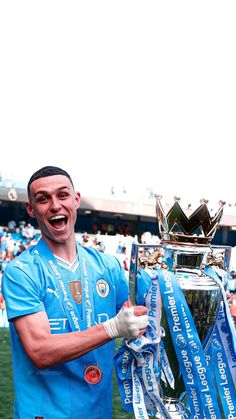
(66, 250)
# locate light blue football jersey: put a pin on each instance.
(62, 392)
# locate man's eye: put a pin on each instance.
(63, 195)
(42, 199)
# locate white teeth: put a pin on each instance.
(57, 217)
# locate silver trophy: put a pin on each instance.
(184, 250)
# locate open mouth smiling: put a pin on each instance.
(58, 221)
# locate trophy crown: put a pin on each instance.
(198, 228)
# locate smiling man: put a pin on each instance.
(66, 304)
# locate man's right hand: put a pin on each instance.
(129, 323)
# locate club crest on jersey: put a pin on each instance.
(76, 291)
(102, 288)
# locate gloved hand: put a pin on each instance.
(126, 324)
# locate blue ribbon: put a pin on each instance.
(137, 365)
(201, 394)
(76, 322)
(229, 325)
(223, 376)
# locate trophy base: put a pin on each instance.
(175, 408)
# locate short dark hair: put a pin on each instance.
(45, 172)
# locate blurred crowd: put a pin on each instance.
(14, 239)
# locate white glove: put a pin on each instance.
(125, 324)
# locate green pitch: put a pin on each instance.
(6, 384)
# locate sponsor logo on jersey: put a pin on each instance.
(63, 323)
(102, 288)
(58, 324)
(76, 291)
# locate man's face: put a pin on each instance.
(54, 203)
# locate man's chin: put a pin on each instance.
(56, 238)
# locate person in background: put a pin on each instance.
(119, 248)
(11, 226)
(231, 295)
(231, 286)
(66, 304)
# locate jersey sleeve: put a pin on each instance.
(21, 292)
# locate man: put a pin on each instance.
(62, 301)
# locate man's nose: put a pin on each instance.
(55, 204)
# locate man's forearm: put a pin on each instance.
(46, 349)
(60, 348)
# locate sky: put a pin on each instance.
(126, 93)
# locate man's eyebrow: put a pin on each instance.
(45, 192)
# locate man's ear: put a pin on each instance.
(77, 199)
(29, 209)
